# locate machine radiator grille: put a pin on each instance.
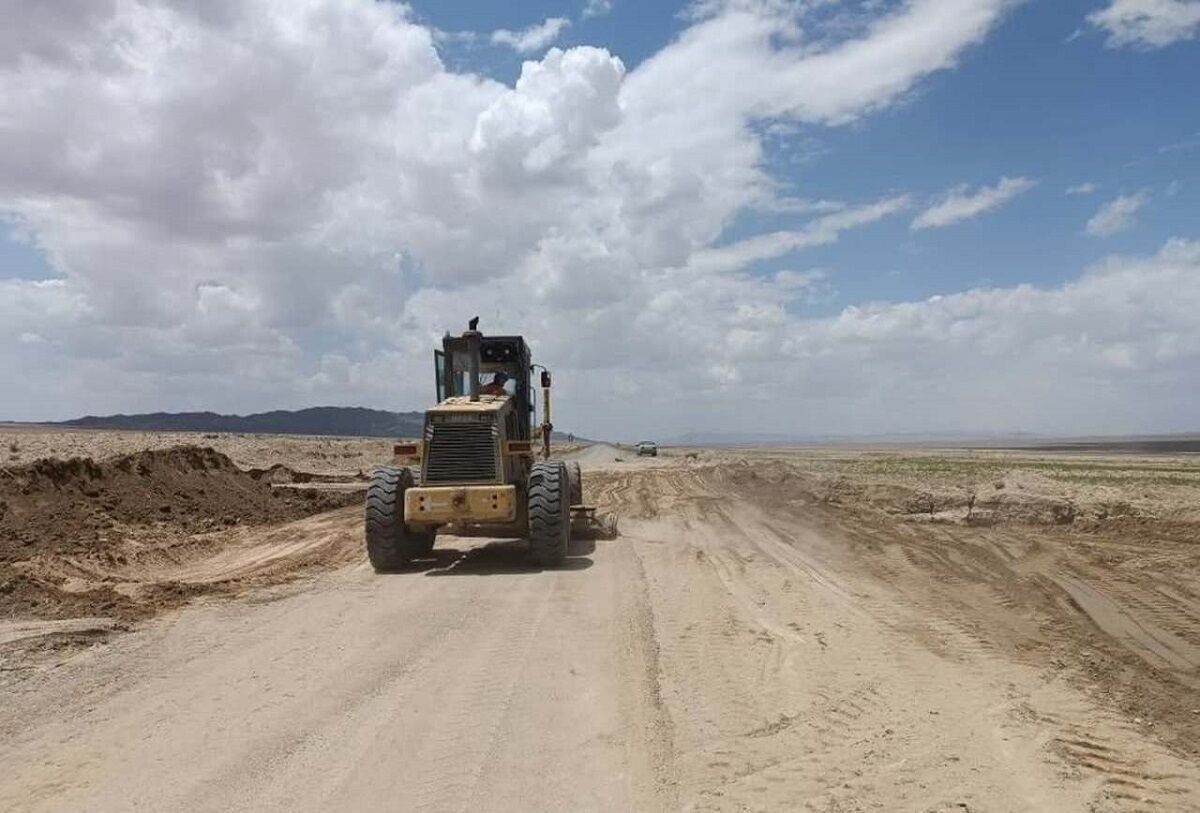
(460, 452)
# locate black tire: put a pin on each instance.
(423, 542)
(390, 543)
(549, 513)
(575, 478)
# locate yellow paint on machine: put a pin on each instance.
(439, 504)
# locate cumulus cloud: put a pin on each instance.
(1148, 24)
(534, 38)
(306, 237)
(1117, 215)
(960, 203)
(1030, 356)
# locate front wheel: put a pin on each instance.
(549, 513)
(390, 543)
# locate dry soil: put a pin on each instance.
(773, 630)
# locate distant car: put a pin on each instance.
(647, 448)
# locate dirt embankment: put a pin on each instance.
(74, 532)
(337, 457)
(992, 487)
(1108, 600)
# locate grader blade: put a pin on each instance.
(588, 523)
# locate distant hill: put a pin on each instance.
(1178, 443)
(339, 421)
(766, 439)
(342, 421)
(731, 439)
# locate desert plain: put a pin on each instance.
(188, 622)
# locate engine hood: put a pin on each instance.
(462, 403)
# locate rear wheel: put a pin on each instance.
(575, 478)
(423, 545)
(390, 543)
(549, 513)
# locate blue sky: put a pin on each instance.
(909, 215)
(19, 258)
(631, 30)
(1041, 98)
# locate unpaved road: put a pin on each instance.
(733, 650)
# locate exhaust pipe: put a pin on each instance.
(473, 336)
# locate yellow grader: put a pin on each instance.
(475, 465)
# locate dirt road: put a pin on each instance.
(735, 649)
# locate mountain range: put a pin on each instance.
(328, 420)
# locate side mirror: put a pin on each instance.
(545, 379)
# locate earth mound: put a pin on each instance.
(57, 514)
(77, 505)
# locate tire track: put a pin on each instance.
(463, 734)
(844, 710)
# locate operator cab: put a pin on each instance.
(497, 354)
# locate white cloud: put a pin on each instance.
(597, 8)
(1085, 188)
(1117, 215)
(1027, 356)
(822, 231)
(442, 37)
(1148, 24)
(534, 38)
(960, 203)
(833, 83)
(1180, 146)
(307, 237)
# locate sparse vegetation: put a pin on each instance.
(983, 486)
(1100, 478)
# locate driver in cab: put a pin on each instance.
(496, 387)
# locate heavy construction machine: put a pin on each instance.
(475, 465)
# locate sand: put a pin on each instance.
(773, 630)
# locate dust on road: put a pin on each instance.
(747, 644)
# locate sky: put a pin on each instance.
(796, 217)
